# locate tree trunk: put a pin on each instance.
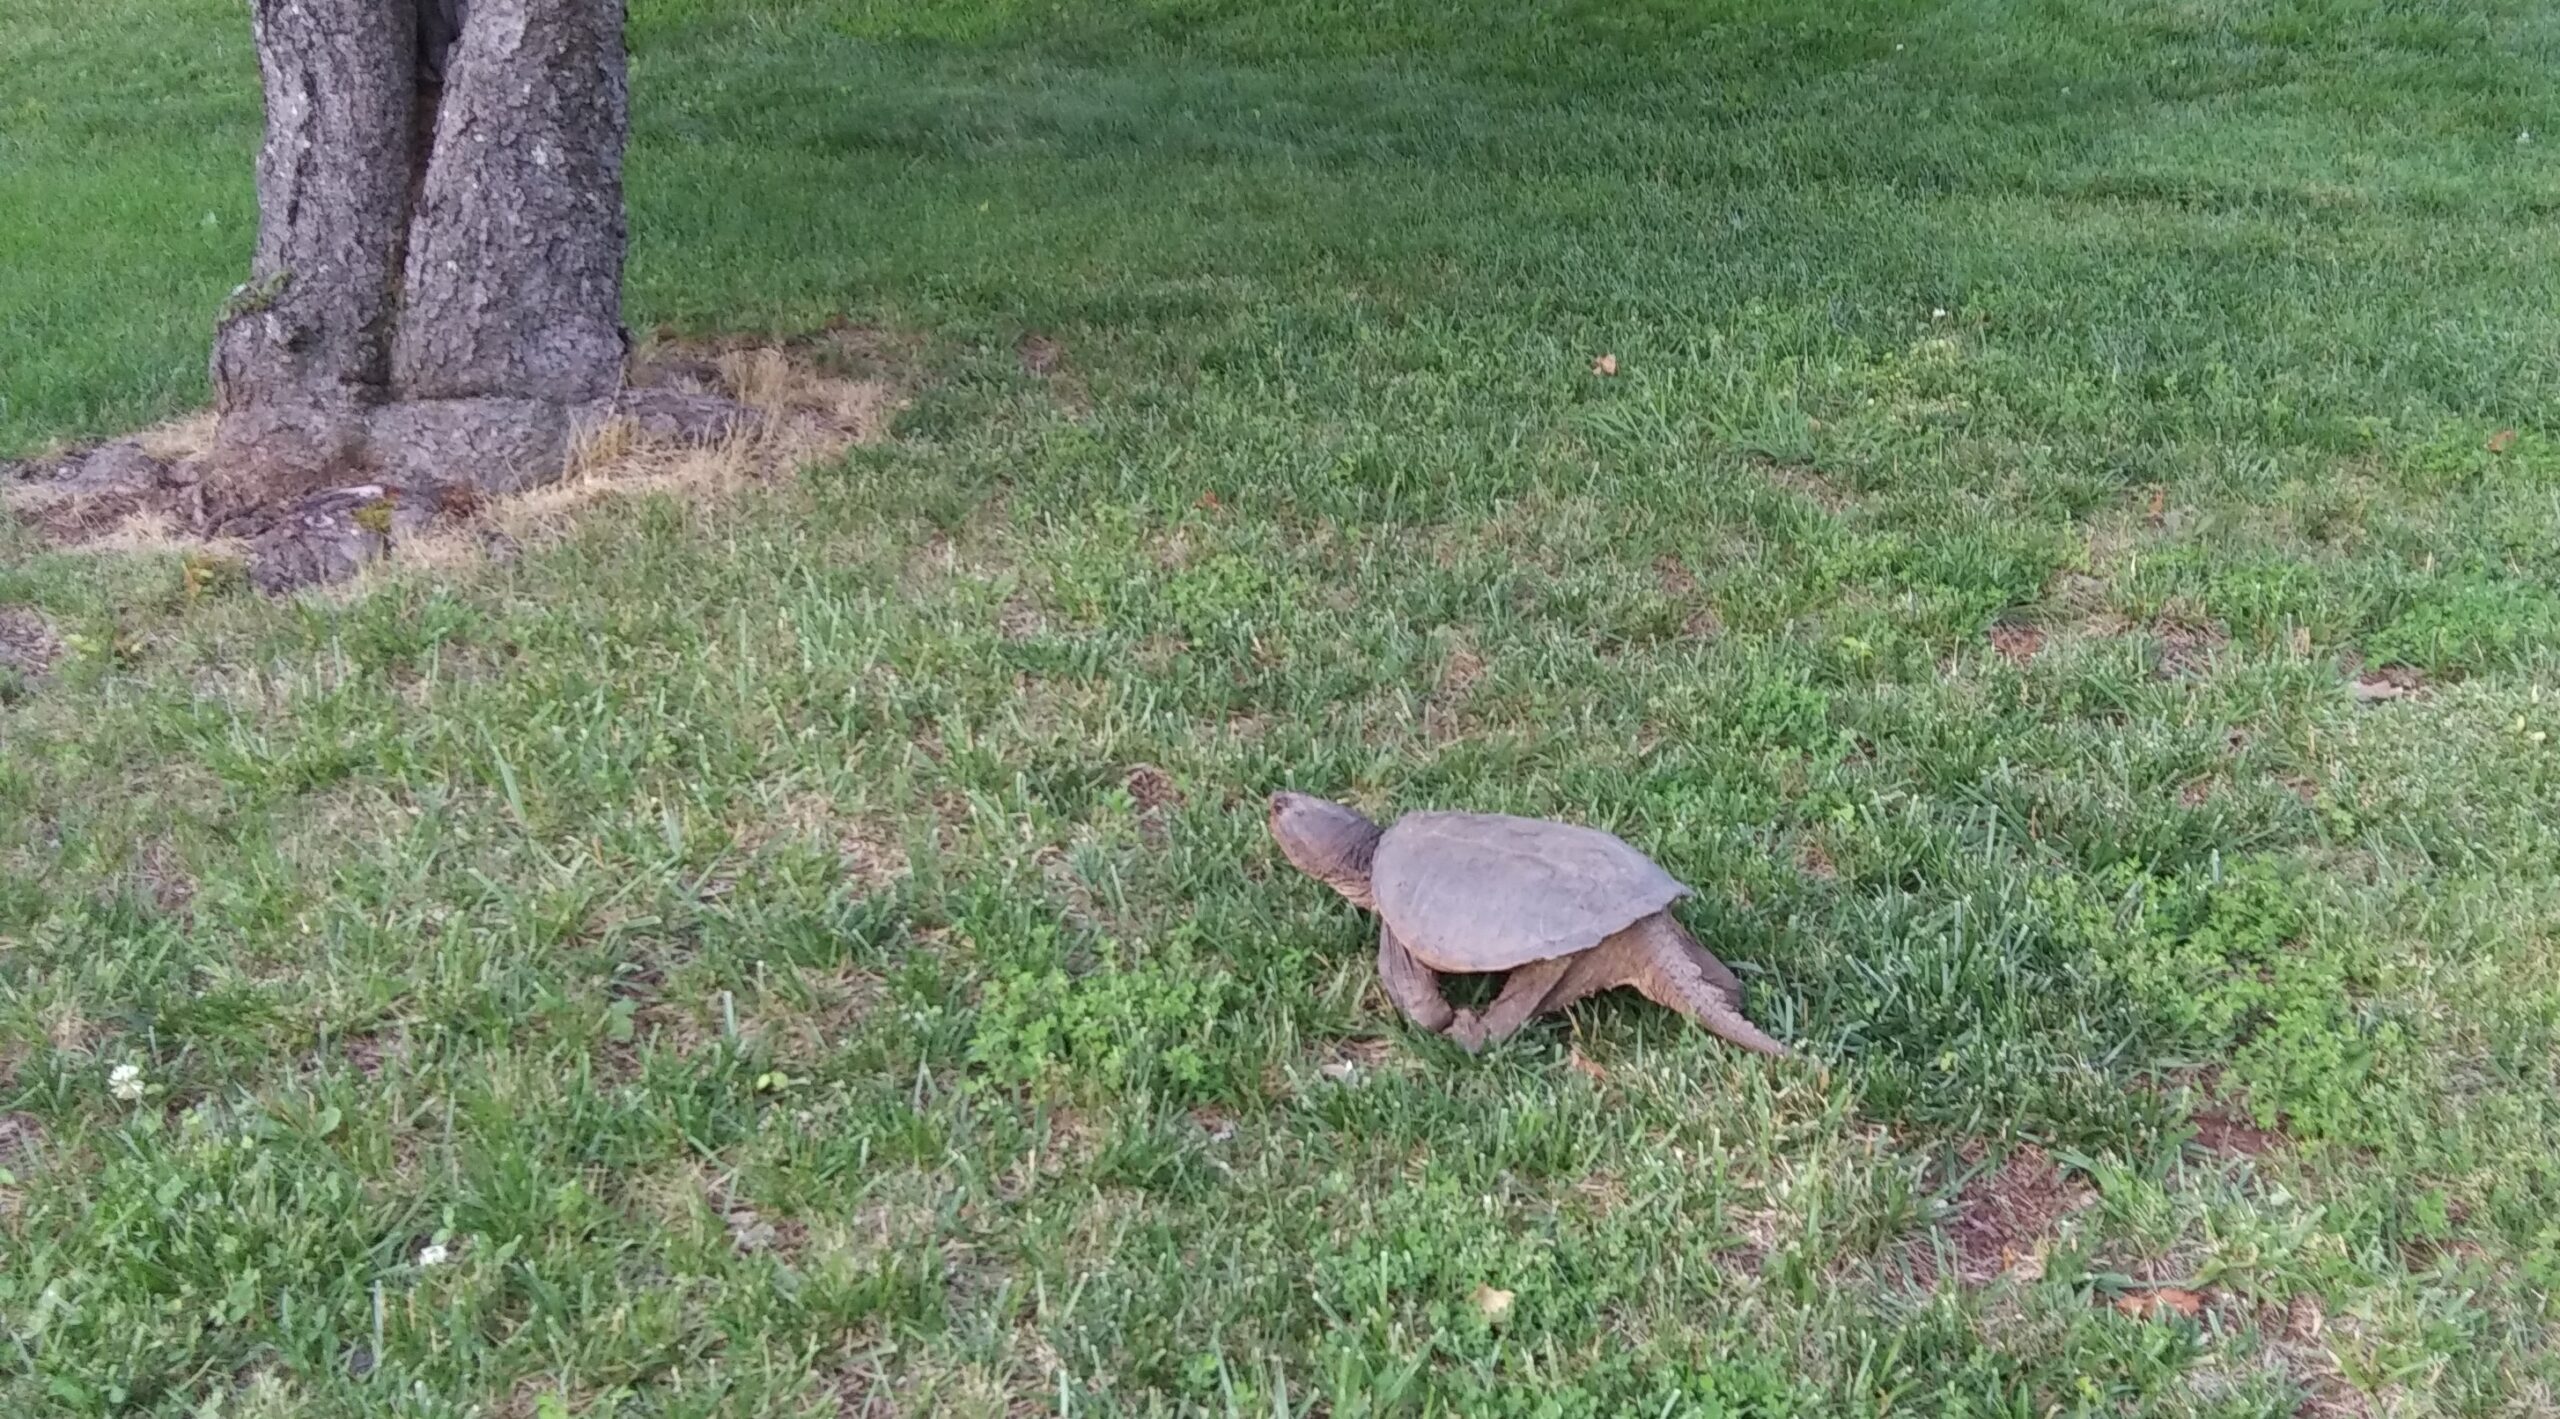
(305, 345)
(436, 296)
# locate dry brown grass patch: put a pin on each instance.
(809, 414)
(1805, 481)
(66, 1029)
(817, 399)
(1444, 712)
(163, 877)
(801, 1033)
(868, 847)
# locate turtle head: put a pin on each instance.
(1327, 841)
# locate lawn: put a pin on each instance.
(2067, 564)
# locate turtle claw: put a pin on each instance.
(1467, 1032)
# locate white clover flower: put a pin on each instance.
(433, 1254)
(125, 1082)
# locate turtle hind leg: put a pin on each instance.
(1665, 935)
(1662, 960)
(1526, 991)
(1413, 986)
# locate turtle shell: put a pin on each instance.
(1470, 892)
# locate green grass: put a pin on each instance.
(784, 856)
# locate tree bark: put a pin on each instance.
(515, 265)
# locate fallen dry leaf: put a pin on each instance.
(1605, 366)
(2166, 1298)
(1493, 1305)
(2502, 440)
(1585, 1066)
(1209, 501)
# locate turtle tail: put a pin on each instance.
(1729, 1026)
(1675, 978)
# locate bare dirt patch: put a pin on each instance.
(1153, 789)
(1021, 619)
(1460, 672)
(1673, 577)
(2017, 643)
(863, 1389)
(28, 644)
(2189, 645)
(20, 1137)
(2298, 1344)
(1039, 354)
(369, 1052)
(2389, 682)
(2221, 1116)
(2234, 1136)
(2005, 1218)
(808, 401)
(1044, 358)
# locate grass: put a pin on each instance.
(814, 952)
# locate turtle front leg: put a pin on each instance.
(1413, 986)
(1524, 993)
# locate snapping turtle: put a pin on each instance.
(1568, 911)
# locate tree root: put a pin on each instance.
(319, 493)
